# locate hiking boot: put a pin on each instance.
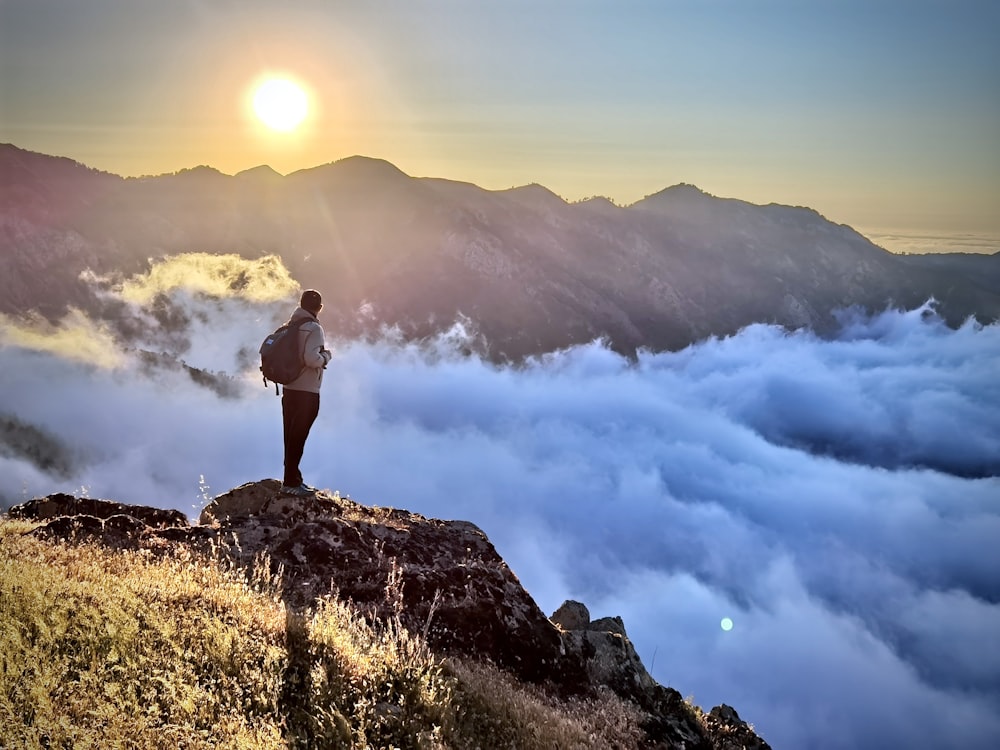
(301, 490)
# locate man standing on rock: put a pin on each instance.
(300, 398)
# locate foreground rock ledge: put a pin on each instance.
(443, 579)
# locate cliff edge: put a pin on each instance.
(441, 580)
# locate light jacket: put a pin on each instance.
(315, 355)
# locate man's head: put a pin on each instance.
(311, 301)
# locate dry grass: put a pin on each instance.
(109, 649)
(100, 648)
(490, 704)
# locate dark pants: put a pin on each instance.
(298, 412)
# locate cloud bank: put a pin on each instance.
(837, 500)
(907, 241)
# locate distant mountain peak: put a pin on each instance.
(682, 197)
(14, 159)
(201, 172)
(598, 202)
(685, 188)
(263, 172)
(368, 165)
(680, 191)
(356, 170)
(534, 193)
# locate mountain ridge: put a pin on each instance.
(530, 271)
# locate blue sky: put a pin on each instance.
(876, 113)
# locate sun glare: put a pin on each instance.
(281, 104)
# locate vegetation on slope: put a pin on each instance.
(103, 648)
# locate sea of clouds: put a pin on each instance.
(836, 501)
(915, 242)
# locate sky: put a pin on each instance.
(882, 114)
(836, 500)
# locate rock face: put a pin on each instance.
(604, 648)
(442, 579)
(610, 659)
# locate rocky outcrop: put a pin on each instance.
(442, 579)
(60, 504)
(605, 650)
(610, 659)
(730, 732)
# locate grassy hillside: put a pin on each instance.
(106, 649)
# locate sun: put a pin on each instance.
(280, 103)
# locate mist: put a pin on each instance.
(916, 242)
(837, 499)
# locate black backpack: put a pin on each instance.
(281, 355)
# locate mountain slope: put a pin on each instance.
(531, 272)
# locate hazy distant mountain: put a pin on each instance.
(531, 271)
(982, 271)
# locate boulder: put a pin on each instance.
(60, 504)
(607, 654)
(72, 528)
(571, 616)
(730, 732)
(245, 500)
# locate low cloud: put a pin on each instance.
(918, 243)
(217, 275)
(836, 499)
